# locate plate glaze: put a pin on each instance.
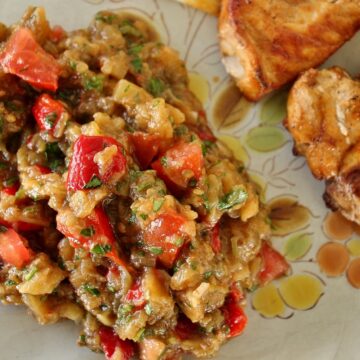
(311, 314)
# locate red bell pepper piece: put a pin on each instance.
(135, 296)
(13, 250)
(185, 328)
(57, 33)
(162, 233)
(24, 57)
(83, 168)
(146, 147)
(234, 315)
(47, 112)
(110, 342)
(181, 158)
(43, 169)
(11, 190)
(274, 264)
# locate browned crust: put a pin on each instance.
(274, 41)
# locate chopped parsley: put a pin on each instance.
(124, 310)
(30, 273)
(105, 18)
(54, 156)
(155, 86)
(1, 123)
(136, 49)
(3, 166)
(139, 335)
(88, 232)
(180, 130)
(192, 182)
(10, 283)
(143, 216)
(164, 161)
(50, 119)
(193, 265)
(128, 28)
(95, 182)
(178, 241)
(207, 275)
(137, 64)
(132, 218)
(156, 250)
(232, 198)
(93, 83)
(101, 249)
(11, 181)
(157, 204)
(205, 146)
(91, 290)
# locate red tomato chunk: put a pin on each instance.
(274, 264)
(110, 342)
(13, 250)
(165, 233)
(146, 147)
(47, 112)
(83, 168)
(25, 58)
(180, 163)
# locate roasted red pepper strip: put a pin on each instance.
(165, 236)
(43, 169)
(13, 250)
(24, 57)
(110, 342)
(178, 161)
(47, 112)
(185, 329)
(11, 190)
(234, 315)
(83, 168)
(274, 264)
(215, 239)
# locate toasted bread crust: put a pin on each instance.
(268, 43)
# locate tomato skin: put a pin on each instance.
(25, 58)
(45, 108)
(146, 147)
(178, 159)
(12, 249)
(110, 341)
(274, 264)
(234, 315)
(83, 167)
(215, 239)
(164, 226)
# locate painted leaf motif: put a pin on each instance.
(267, 301)
(354, 247)
(297, 246)
(199, 86)
(265, 138)
(273, 110)
(260, 184)
(287, 215)
(301, 291)
(235, 145)
(230, 108)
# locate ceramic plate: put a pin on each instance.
(307, 315)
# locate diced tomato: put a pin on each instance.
(165, 234)
(57, 33)
(135, 296)
(47, 112)
(43, 169)
(234, 315)
(12, 249)
(178, 162)
(146, 147)
(215, 239)
(21, 225)
(24, 57)
(110, 342)
(185, 328)
(11, 190)
(274, 264)
(83, 167)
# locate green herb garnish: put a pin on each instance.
(30, 273)
(156, 250)
(10, 283)
(127, 28)
(232, 198)
(205, 146)
(95, 182)
(11, 181)
(108, 19)
(3, 166)
(148, 309)
(207, 275)
(91, 290)
(136, 49)
(101, 249)
(164, 161)
(50, 119)
(155, 87)
(137, 64)
(157, 204)
(93, 83)
(88, 232)
(143, 216)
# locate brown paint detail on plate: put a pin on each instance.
(336, 227)
(353, 273)
(230, 108)
(333, 258)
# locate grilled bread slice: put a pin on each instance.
(267, 43)
(324, 120)
(209, 6)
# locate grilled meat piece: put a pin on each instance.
(267, 43)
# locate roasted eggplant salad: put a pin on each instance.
(119, 208)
